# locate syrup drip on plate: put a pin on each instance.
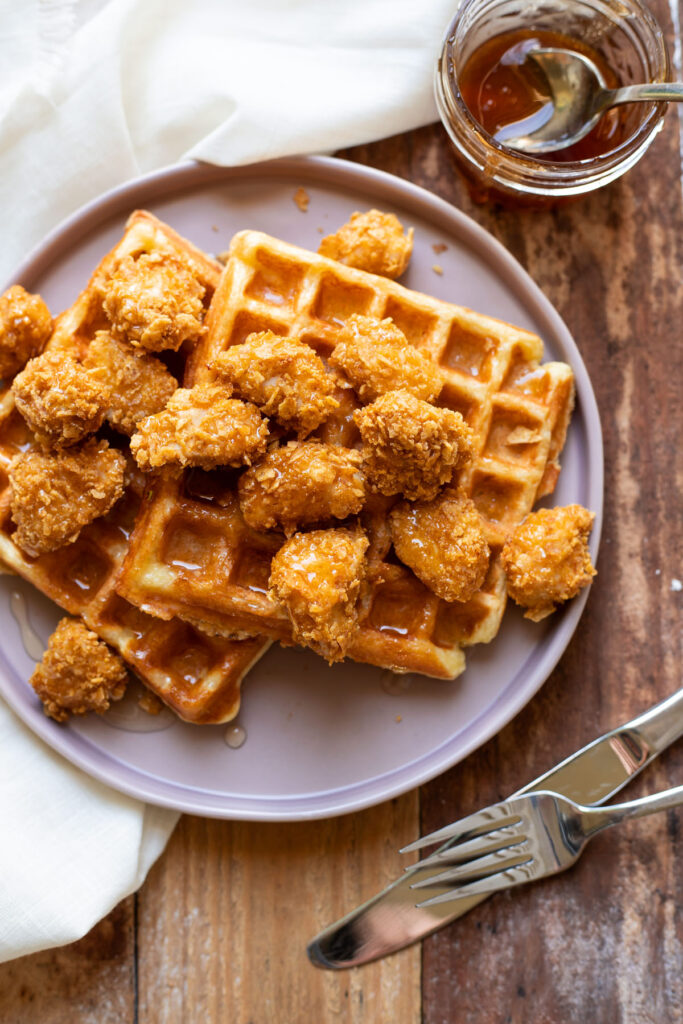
(127, 715)
(33, 645)
(394, 684)
(235, 736)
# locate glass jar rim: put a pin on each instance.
(450, 102)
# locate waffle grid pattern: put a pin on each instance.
(193, 555)
(199, 677)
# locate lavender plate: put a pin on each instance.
(318, 741)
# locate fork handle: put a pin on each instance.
(595, 819)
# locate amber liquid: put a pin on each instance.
(499, 87)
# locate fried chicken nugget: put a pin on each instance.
(546, 559)
(283, 376)
(54, 495)
(139, 384)
(377, 357)
(61, 400)
(317, 576)
(411, 447)
(154, 302)
(304, 482)
(78, 673)
(25, 326)
(443, 542)
(201, 426)
(371, 241)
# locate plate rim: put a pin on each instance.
(365, 793)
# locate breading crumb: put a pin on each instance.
(438, 269)
(150, 703)
(302, 199)
(438, 248)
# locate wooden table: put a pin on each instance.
(217, 934)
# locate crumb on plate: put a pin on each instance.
(302, 199)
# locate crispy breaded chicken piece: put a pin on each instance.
(201, 426)
(546, 559)
(154, 301)
(317, 576)
(139, 384)
(78, 673)
(371, 241)
(411, 447)
(54, 495)
(25, 326)
(302, 483)
(377, 357)
(443, 542)
(60, 399)
(283, 376)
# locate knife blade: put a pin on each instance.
(390, 920)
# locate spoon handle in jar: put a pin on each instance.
(669, 91)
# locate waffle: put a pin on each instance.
(197, 676)
(193, 556)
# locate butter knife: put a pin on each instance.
(390, 920)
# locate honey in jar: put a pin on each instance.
(500, 87)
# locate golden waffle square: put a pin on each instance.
(193, 556)
(198, 676)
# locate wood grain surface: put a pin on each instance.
(218, 931)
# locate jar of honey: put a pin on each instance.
(483, 82)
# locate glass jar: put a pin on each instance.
(625, 35)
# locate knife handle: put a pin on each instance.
(662, 724)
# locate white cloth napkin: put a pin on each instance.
(93, 93)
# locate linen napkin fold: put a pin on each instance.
(93, 93)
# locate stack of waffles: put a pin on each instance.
(191, 555)
(195, 674)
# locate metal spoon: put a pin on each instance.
(577, 98)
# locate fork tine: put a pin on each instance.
(494, 817)
(486, 842)
(481, 865)
(503, 879)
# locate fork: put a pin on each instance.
(522, 839)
